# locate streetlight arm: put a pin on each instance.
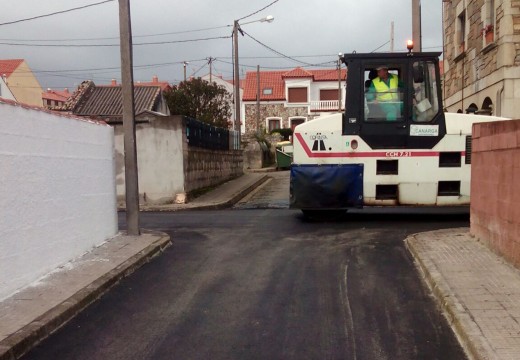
(236, 29)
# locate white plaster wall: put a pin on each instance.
(4, 90)
(326, 85)
(57, 193)
(159, 160)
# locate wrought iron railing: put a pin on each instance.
(206, 136)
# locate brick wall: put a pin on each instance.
(495, 194)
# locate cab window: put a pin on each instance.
(425, 96)
(384, 93)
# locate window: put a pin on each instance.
(461, 32)
(273, 123)
(425, 96)
(488, 30)
(384, 90)
(268, 91)
(297, 95)
(296, 121)
(329, 94)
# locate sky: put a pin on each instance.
(69, 47)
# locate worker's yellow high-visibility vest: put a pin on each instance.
(385, 92)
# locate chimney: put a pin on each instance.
(155, 79)
(114, 82)
(49, 90)
(66, 90)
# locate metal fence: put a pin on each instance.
(203, 135)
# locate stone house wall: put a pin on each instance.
(272, 110)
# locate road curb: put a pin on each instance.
(19, 343)
(233, 199)
(196, 206)
(465, 329)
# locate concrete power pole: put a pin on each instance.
(339, 81)
(258, 99)
(416, 25)
(392, 36)
(236, 28)
(127, 87)
(210, 62)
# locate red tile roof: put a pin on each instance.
(276, 81)
(155, 82)
(268, 79)
(56, 95)
(7, 67)
(297, 73)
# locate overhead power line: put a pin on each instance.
(116, 45)
(256, 12)
(55, 13)
(116, 38)
(283, 55)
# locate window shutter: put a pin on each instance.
(297, 95)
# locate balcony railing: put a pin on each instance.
(326, 105)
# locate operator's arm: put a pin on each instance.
(371, 92)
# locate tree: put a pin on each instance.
(201, 100)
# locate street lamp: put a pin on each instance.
(236, 29)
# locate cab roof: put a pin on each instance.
(388, 56)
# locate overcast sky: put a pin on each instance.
(302, 34)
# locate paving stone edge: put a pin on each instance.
(19, 343)
(466, 330)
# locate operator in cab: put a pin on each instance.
(386, 90)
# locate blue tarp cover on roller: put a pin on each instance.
(326, 186)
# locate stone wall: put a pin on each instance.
(272, 110)
(204, 168)
(477, 72)
(495, 175)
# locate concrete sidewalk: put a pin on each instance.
(35, 312)
(478, 291)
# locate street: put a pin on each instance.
(264, 283)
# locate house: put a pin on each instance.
(54, 99)
(290, 97)
(21, 81)
(4, 90)
(164, 85)
(106, 101)
(481, 56)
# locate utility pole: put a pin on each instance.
(339, 81)
(392, 36)
(184, 64)
(127, 87)
(210, 61)
(258, 99)
(236, 28)
(416, 25)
